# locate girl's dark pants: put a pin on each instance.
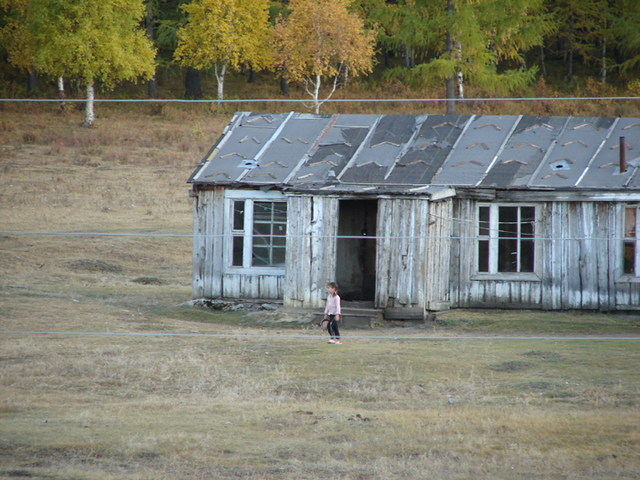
(332, 327)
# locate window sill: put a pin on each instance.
(506, 277)
(628, 279)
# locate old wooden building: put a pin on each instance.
(421, 213)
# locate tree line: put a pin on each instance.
(500, 45)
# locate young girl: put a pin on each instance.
(332, 312)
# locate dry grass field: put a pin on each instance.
(155, 390)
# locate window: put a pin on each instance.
(631, 252)
(506, 239)
(258, 232)
(269, 233)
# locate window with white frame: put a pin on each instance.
(258, 232)
(506, 239)
(631, 252)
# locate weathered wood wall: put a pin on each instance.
(413, 250)
(210, 277)
(312, 223)
(578, 262)
(208, 225)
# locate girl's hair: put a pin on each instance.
(333, 285)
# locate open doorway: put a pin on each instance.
(356, 257)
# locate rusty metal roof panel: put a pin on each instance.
(483, 139)
(604, 170)
(574, 149)
(521, 156)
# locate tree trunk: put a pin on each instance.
(316, 93)
(451, 105)
(450, 82)
(89, 117)
(32, 83)
(459, 74)
(570, 51)
(153, 82)
(603, 72)
(220, 72)
(284, 86)
(252, 75)
(409, 57)
(542, 62)
(61, 94)
(193, 84)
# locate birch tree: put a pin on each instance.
(92, 41)
(321, 40)
(225, 34)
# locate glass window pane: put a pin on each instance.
(259, 241)
(260, 257)
(508, 222)
(280, 212)
(238, 215)
(483, 256)
(507, 255)
(238, 248)
(527, 259)
(262, 229)
(527, 221)
(484, 221)
(262, 212)
(278, 256)
(630, 223)
(280, 229)
(629, 257)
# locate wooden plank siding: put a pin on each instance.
(578, 262)
(312, 226)
(208, 221)
(211, 278)
(412, 266)
(437, 255)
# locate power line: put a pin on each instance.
(331, 100)
(307, 236)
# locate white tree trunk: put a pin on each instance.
(89, 118)
(220, 72)
(316, 93)
(61, 94)
(459, 75)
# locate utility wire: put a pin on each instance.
(333, 100)
(307, 236)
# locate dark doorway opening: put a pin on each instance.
(356, 257)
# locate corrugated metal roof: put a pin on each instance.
(422, 153)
